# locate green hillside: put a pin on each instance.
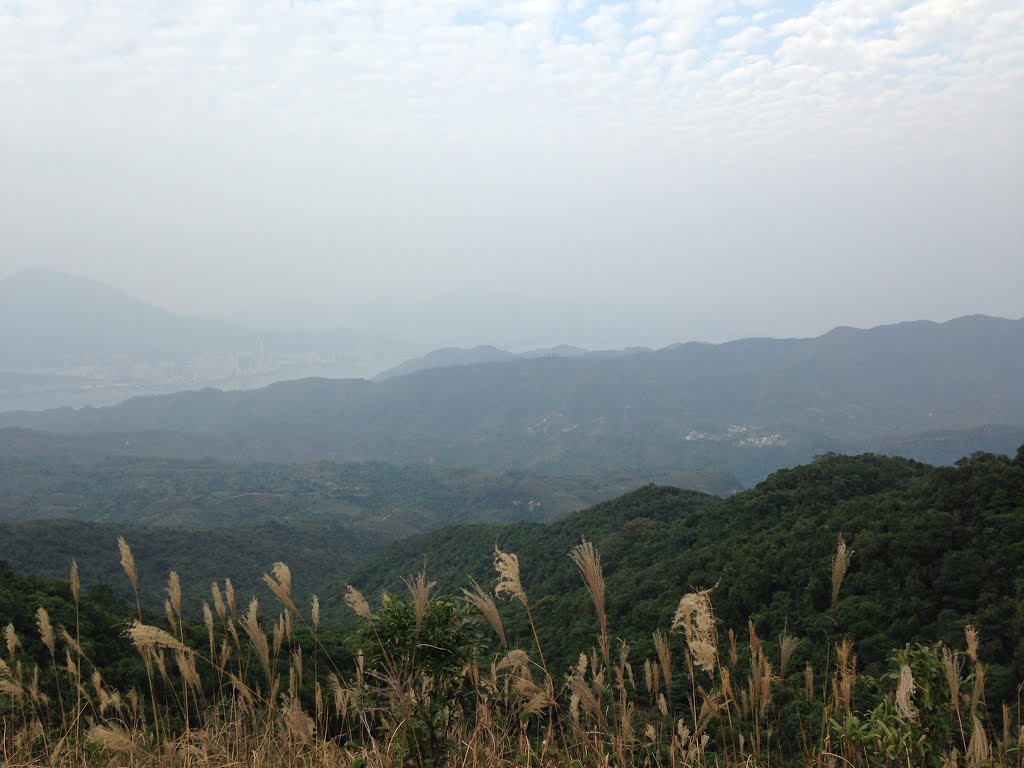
(935, 549)
(42, 477)
(210, 520)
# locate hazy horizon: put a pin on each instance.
(417, 344)
(523, 174)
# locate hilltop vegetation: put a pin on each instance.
(936, 548)
(423, 681)
(214, 520)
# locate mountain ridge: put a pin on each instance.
(748, 406)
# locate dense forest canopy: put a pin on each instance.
(211, 520)
(931, 550)
(935, 549)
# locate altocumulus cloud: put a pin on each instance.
(668, 89)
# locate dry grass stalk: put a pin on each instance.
(787, 645)
(517, 660)
(258, 638)
(846, 668)
(146, 636)
(12, 688)
(218, 602)
(695, 615)
(243, 690)
(300, 725)
(978, 690)
(112, 738)
(76, 584)
(128, 562)
(840, 565)
(973, 638)
(905, 694)
(355, 600)
(664, 652)
(280, 584)
(283, 575)
(229, 593)
(484, 603)
(761, 674)
(187, 667)
(208, 621)
(158, 654)
(419, 588)
(585, 697)
(345, 699)
(978, 750)
(174, 591)
(13, 643)
(537, 703)
(507, 566)
(728, 693)
(278, 635)
(45, 628)
(588, 561)
(71, 642)
(951, 666)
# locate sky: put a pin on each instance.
(522, 173)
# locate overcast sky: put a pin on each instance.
(522, 173)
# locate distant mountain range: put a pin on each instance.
(50, 320)
(455, 356)
(67, 340)
(746, 407)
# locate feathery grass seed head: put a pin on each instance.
(507, 566)
(588, 561)
(76, 585)
(696, 617)
(218, 601)
(905, 694)
(128, 562)
(787, 645)
(174, 591)
(840, 565)
(12, 639)
(229, 593)
(951, 665)
(113, 738)
(419, 588)
(45, 628)
(146, 636)
(355, 600)
(973, 638)
(484, 603)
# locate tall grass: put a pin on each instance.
(261, 688)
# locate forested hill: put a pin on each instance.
(746, 407)
(213, 520)
(935, 549)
